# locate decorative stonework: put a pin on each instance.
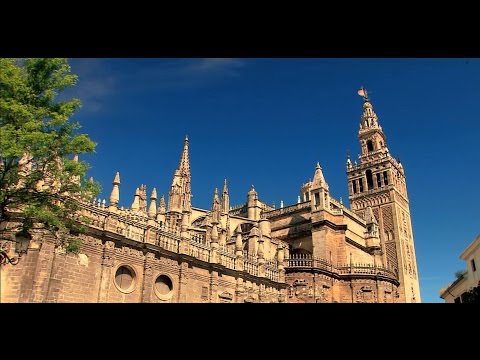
(387, 217)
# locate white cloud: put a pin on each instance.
(94, 83)
(214, 66)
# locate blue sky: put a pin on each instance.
(268, 121)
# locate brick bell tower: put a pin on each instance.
(379, 181)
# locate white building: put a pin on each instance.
(470, 279)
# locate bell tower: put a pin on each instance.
(378, 181)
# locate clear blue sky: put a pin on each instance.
(268, 121)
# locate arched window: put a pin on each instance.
(368, 173)
(369, 145)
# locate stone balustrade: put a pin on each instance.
(302, 261)
(138, 227)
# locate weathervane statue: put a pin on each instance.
(363, 92)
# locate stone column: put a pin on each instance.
(261, 258)
(214, 287)
(147, 285)
(239, 291)
(108, 260)
(183, 283)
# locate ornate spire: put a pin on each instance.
(184, 165)
(136, 200)
(372, 139)
(225, 198)
(225, 188)
(216, 208)
(318, 178)
(143, 198)
(369, 118)
(152, 209)
(179, 198)
(161, 206)
(115, 194)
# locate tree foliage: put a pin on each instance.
(472, 296)
(39, 175)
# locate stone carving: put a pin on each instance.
(387, 217)
(108, 260)
(168, 261)
(204, 293)
(148, 270)
(150, 256)
(109, 244)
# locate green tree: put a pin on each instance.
(41, 180)
(472, 296)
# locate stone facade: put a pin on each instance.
(317, 250)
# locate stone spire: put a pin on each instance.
(371, 136)
(76, 178)
(238, 241)
(161, 210)
(184, 165)
(369, 117)
(136, 200)
(115, 194)
(179, 198)
(216, 208)
(319, 193)
(152, 209)
(253, 210)
(225, 198)
(143, 198)
(318, 179)
(161, 206)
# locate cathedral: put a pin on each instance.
(317, 250)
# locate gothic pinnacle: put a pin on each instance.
(318, 178)
(161, 205)
(136, 200)
(152, 209)
(225, 188)
(115, 194)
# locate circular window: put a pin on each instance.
(163, 287)
(125, 279)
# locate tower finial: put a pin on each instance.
(363, 93)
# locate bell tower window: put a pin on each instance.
(369, 145)
(368, 173)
